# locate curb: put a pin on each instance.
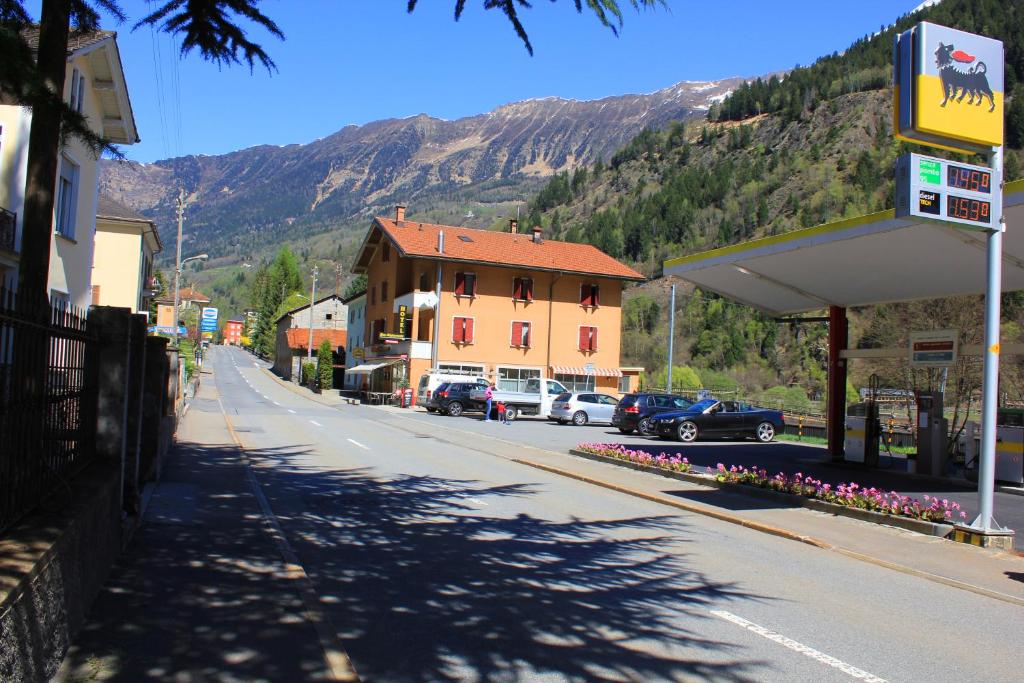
(916, 525)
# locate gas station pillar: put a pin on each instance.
(835, 405)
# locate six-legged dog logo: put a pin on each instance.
(972, 82)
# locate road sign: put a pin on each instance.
(948, 88)
(948, 191)
(167, 329)
(933, 349)
(208, 321)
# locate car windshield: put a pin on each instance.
(703, 405)
(563, 397)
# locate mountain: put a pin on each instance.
(239, 201)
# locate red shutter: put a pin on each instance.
(584, 338)
(468, 337)
(595, 296)
(529, 289)
(457, 332)
(584, 295)
(593, 339)
(517, 334)
(517, 288)
(460, 283)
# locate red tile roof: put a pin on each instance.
(189, 294)
(298, 337)
(502, 249)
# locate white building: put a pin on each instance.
(356, 342)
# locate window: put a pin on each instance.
(624, 384)
(77, 91)
(327, 316)
(385, 251)
(576, 382)
(522, 289)
(373, 295)
(465, 284)
(515, 379)
(67, 198)
(424, 281)
(588, 338)
(384, 291)
(462, 330)
(520, 334)
(461, 369)
(352, 315)
(590, 295)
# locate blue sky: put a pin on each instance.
(354, 61)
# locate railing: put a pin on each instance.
(8, 228)
(47, 398)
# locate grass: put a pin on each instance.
(817, 440)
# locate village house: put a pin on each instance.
(355, 342)
(187, 298)
(505, 305)
(122, 269)
(95, 86)
(233, 330)
(328, 318)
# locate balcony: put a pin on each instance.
(416, 299)
(8, 229)
(407, 347)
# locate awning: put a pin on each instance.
(857, 262)
(368, 368)
(599, 372)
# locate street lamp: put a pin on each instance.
(177, 294)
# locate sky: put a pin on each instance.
(349, 62)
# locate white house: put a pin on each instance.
(356, 342)
(95, 86)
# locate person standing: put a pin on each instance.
(489, 395)
(501, 412)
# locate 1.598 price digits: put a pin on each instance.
(966, 209)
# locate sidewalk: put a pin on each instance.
(202, 591)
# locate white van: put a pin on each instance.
(429, 381)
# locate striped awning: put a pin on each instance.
(600, 372)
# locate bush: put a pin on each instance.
(308, 373)
(683, 377)
(324, 366)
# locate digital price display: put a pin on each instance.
(946, 191)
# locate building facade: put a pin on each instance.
(329, 320)
(122, 268)
(355, 345)
(506, 305)
(187, 299)
(95, 86)
(233, 330)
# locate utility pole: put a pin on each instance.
(671, 333)
(177, 263)
(312, 302)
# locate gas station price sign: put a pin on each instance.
(948, 191)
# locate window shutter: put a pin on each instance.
(517, 288)
(469, 330)
(457, 329)
(517, 333)
(528, 286)
(584, 338)
(595, 296)
(584, 295)
(593, 339)
(460, 283)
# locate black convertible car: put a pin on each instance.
(709, 418)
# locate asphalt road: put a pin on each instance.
(435, 561)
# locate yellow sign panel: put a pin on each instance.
(978, 121)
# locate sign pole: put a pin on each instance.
(989, 391)
(671, 335)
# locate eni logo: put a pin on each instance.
(959, 79)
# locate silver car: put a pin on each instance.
(583, 407)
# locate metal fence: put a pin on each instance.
(47, 399)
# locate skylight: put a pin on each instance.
(465, 238)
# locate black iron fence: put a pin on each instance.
(47, 423)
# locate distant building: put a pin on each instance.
(187, 298)
(355, 345)
(122, 267)
(233, 332)
(329, 320)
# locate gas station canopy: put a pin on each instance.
(871, 259)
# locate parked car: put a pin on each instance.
(455, 399)
(583, 407)
(430, 402)
(430, 381)
(536, 398)
(710, 417)
(634, 411)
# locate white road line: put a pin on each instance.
(275, 403)
(799, 647)
(316, 423)
(353, 441)
(291, 411)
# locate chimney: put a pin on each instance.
(399, 214)
(536, 234)
(440, 241)
(513, 226)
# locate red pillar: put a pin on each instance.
(835, 406)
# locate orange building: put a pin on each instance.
(233, 330)
(507, 305)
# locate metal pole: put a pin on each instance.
(437, 319)
(671, 334)
(989, 388)
(177, 264)
(312, 302)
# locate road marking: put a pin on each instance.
(275, 403)
(291, 411)
(316, 423)
(255, 364)
(365, 448)
(799, 647)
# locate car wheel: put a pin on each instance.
(765, 432)
(511, 413)
(455, 409)
(561, 421)
(579, 418)
(687, 432)
(644, 426)
(625, 431)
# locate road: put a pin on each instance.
(437, 561)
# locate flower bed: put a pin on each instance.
(851, 495)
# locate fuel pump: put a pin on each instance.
(932, 434)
